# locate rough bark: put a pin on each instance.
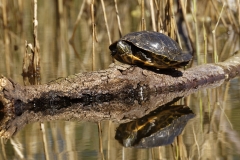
(120, 92)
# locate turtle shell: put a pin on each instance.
(150, 49)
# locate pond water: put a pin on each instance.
(214, 133)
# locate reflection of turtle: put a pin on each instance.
(158, 128)
(150, 49)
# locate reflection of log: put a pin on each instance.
(87, 95)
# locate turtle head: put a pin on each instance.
(121, 51)
(123, 47)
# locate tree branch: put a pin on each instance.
(118, 93)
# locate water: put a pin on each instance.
(214, 133)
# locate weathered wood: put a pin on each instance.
(120, 92)
(120, 80)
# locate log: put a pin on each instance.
(118, 93)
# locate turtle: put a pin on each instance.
(149, 49)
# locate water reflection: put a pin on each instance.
(158, 128)
(214, 132)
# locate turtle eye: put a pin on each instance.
(113, 52)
